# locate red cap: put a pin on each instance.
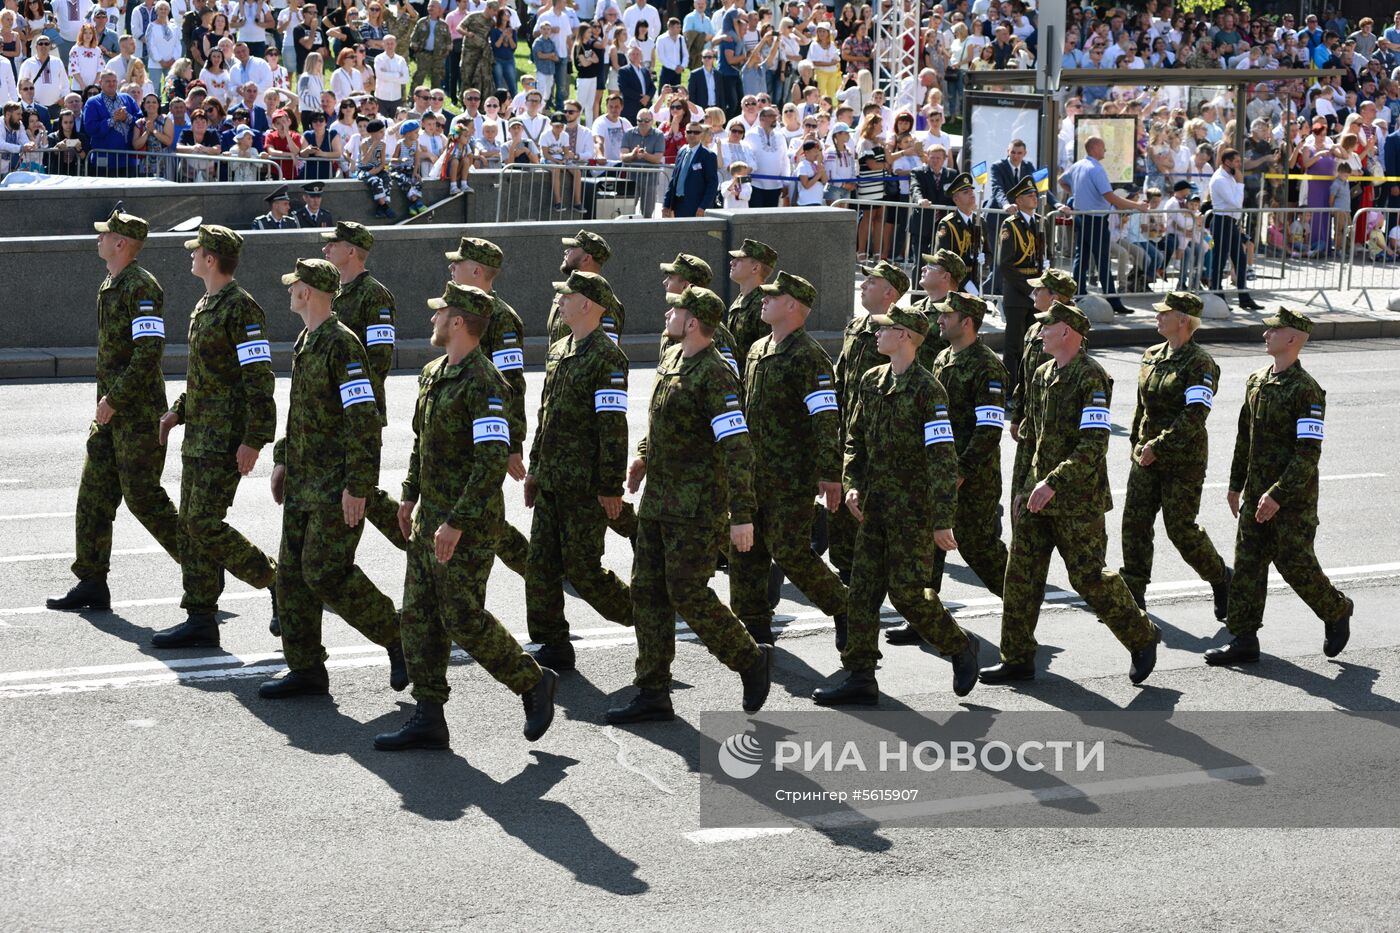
(281, 113)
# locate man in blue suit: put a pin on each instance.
(695, 181)
(1390, 154)
(636, 84)
(704, 82)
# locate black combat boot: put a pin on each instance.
(1338, 633)
(275, 624)
(556, 655)
(757, 679)
(426, 728)
(647, 706)
(85, 594)
(1242, 649)
(903, 635)
(200, 630)
(965, 666)
(1143, 660)
(398, 667)
(539, 704)
(761, 632)
(1005, 673)
(312, 681)
(858, 689)
(1221, 594)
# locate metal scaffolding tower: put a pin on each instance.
(898, 51)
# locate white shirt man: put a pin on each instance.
(162, 41)
(252, 13)
(769, 150)
(610, 127)
(565, 25)
(141, 19)
(671, 51)
(390, 72)
(645, 12)
(248, 67)
(51, 83)
(71, 15)
(1226, 194)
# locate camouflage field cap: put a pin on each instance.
(318, 273)
(1285, 317)
(347, 231)
(950, 262)
(1057, 280)
(961, 182)
(704, 304)
(1024, 186)
(466, 298)
(127, 225)
(590, 243)
(475, 249)
(221, 241)
(794, 286)
(891, 273)
(1068, 313)
(591, 285)
(693, 269)
(965, 304)
(753, 249)
(1185, 302)
(900, 316)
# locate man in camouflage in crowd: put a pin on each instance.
(1061, 504)
(400, 23)
(749, 267)
(584, 252)
(687, 270)
(1050, 286)
(329, 463)
(124, 455)
(229, 414)
(698, 462)
(431, 62)
(1176, 389)
(960, 233)
(1273, 493)
(452, 508)
(578, 462)
(974, 379)
(901, 477)
(477, 53)
(793, 419)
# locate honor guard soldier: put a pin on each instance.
(1050, 286)
(578, 462)
(697, 459)
(1020, 258)
(687, 270)
(311, 214)
(960, 232)
(749, 267)
(1061, 506)
(330, 453)
(124, 454)
(229, 414)
(452, 510)
(901, 477)
(279, 214)
(1273, 493)
(1176, 389)
(584, 252)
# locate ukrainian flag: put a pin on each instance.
(979, 173)
(1042, 180)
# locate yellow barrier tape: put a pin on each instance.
(1373, 178)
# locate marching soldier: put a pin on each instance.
(229, 414)
(279, 214)
(1061, 504)
(1050, 286)
(577, 465)
(477, 53)
(749, 267)
(311, 214)
(1176, 389)
(452, 507)
(975, 381)
(124, 455)
(790, 407)
(938, 278)
(960, 232)
(688, 270)
(584, 252)
(698, 462)
(901, 487)
(330, 457)
(1020, 258)
(1273, 493)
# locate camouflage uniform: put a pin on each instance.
(1062, 286)
(745, 317)
(459, 483)
(1064, 441)
(227, 402)
(579, 453)
(790, 405)
(400, 24)
(476, 52)
(699, 482)
(697, 272)
(596, 247)
(432, 63)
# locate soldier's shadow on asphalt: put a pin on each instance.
(116, 625)
(1352, 689)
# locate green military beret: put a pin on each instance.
(962, 182)
(965, 304)
(347, 231)
(909, 318)
(794, 286)
(465, 298)
(318, 273)
(891, 273)
(127, 225)
(1057, 280)
(475, 249)
(591, 285)
(693, 269)
(703, 304)
(951, 262)
(1284, 317)
(1069, 314)
(221, 241)
(1024, 186)
(753, 249)
(590, 243)
(1185, 302)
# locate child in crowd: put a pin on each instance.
(521, 148)
(405, 168)
(738, 189)
(371, 167)
(487, 151)
(1339, 199)
(243, 149)
(459, 159)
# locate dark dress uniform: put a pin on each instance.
(269, 222)
(1020, 258)
(307, 219)
(963, 235)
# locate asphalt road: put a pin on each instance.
(145, 791)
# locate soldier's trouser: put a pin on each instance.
(207, 542)
(1082, 543)
(443, 603)
(1287, 543)
(671, 572)
(432, 66)
(782, 534)
(382, 511)
(841, 529)
(976, 527)
(316, 568)
(566, 541)
(123, 462)
(894, 551)
(626, 522)
(1153, 489)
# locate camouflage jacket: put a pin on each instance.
(1032, 356)
(1280, 441)
(130, 342)
(724, 343)
(858, 355)
(332, 439)
(899, 447)
(228, 390)
(934, 343)
(474, 30)
(558, 330)
(1064, 437)
(790, 404)
(460, 446)
(975, 381)
(400, 25)
(580, 443)
(1174, 395)
(504, 345)
(365, 306)
(698, 452)
(745, 322)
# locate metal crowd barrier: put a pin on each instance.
(1373, 263)
(172, 166)
(605, 192)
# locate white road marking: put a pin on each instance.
(735, 834)
(1331, 478)
(611, 733)
(34, 558)
(141, 723)
(28, 515)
